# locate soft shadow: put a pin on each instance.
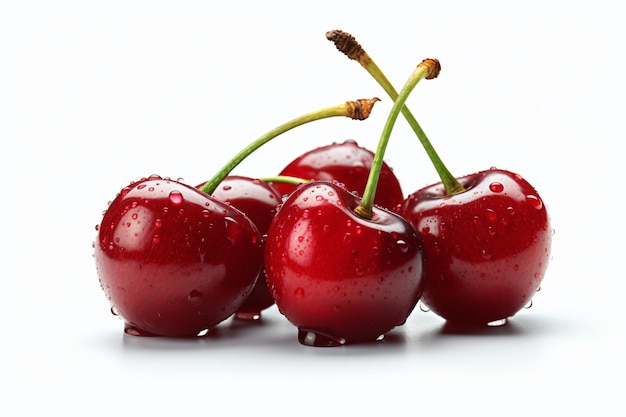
(508, 329)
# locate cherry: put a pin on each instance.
(174, 261)
(259, 200)
(169, 258)
(341, 269)
(486, 236)
(348, 163)
(486, 249)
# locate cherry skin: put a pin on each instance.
(486, 249)
(336, 276)
(348, 163)
(169, 258)
(259, 200)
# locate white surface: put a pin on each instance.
(94, 95)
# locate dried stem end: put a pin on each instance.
(434, 67)
(361, 108)
(348, 45)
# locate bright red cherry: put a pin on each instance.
(486, 249)
(259, 201)
(338, 277)
(348, 163)
(169, 258)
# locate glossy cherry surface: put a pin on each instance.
(348, 163)
(338, 277)
(486, 250)
(169, 258)
(259, 201)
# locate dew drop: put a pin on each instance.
(404, 247)
(141, 186)
(316, 339)
(535, 201)
(226, 187)
(496, 187)
(299, 293)
(203, 332)
(232, 230)
(156, 239)
(529, 305)
(114, 311)
(195, 298)
(497, 323)
(125, 191)
(424, 307)
(176, 198)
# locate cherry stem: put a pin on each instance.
(285, 179)
(428, 68)
(357, 110)
(349, 46)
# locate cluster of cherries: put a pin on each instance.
(331, 240)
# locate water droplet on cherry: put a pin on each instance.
(404, 247)
(195, 298)
(535, 201)
(299, 293)
(313, 338)
(203, 332)
(496, 187)
(176, 198)
(232, 230)
(497, 323)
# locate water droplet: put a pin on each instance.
(535, 201)
(485, 255)
(497, 323)
(347, 238)
(141, 186)
(248, 315)
(114, 311)
(529, 305)
(156, 239)
(195, 298)
(404, 247)
(496, 187)
(316, 339)
(226, 187)
(176, 198)
(305, 214)
(423, 307)
(299, 293)
(203, 332)
(232, 232)
(491, 215)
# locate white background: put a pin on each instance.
(94, 95)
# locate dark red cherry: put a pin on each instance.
(259, 201)
(347, 163)
(169, 258)
(486, 249)
(338, 277)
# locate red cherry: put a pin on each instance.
(486, 249)
(347, 163)
(169, 258)
(337, 276)
(259, 201)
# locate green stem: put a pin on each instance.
(347, 44)
(358, 110)
(285, 179)
(426, 69)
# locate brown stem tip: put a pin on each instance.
(361, 108)
(434, 67)
(346, 44)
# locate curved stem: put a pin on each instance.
(428, 68)
(348, 45)
(285, 179)
(358, 110)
